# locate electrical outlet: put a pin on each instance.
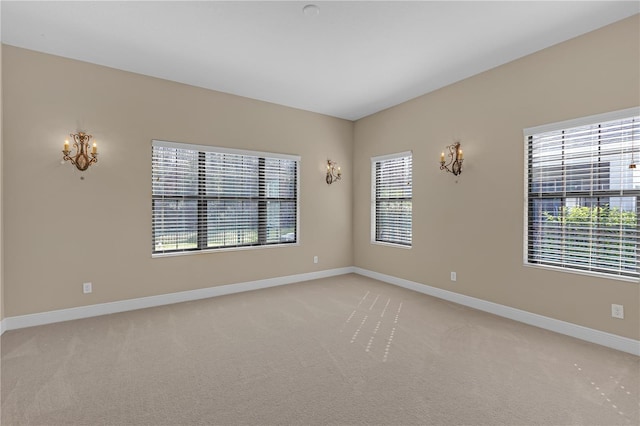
(86, 288)
(617, 311)
(454, 276)
(315, 259)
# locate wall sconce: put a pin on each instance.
(81, 144)
(333, 172)
(454, 165)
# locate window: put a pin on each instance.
(206, 198)
(583, 196)
(391, 199)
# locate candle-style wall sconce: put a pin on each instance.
(334, 172)
(81, 158)
(455, 158)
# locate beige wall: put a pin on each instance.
(62, 231)
(1, 197)
(473, 224)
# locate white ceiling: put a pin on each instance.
(350, 60)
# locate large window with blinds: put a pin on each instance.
(583, 194)
(207, 198)
(391, 199)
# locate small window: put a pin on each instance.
(583, 193)
(391, 199)
(206, 198)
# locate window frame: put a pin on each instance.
(374, 200)
(262, 199)
(591, 120)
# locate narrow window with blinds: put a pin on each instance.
(207, 198)
(391, 199)
(583, 192)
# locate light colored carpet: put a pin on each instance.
(343, 350)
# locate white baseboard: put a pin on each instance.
(41, 318)
(584, 333)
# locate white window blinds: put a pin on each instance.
(583, 195)
(392, 199)
(210, 198)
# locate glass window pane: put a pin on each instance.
(175, 225)
(281, 222)
(232, 223)
(174, 171)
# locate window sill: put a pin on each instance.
(381, 243)
(578, 272)
(225, 250)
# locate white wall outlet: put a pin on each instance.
(454, 276)
(315, 259)
(86, 288)
(617, 311)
